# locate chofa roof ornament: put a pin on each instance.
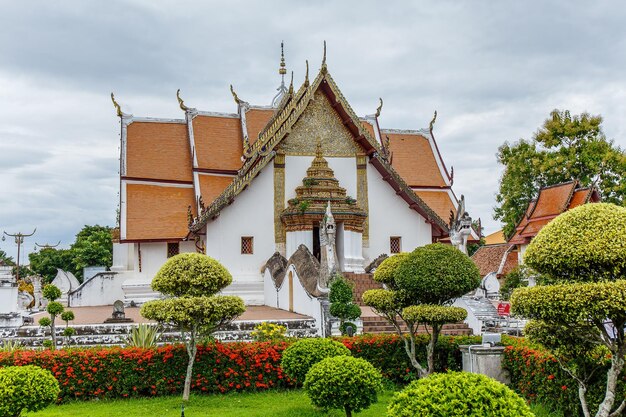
(282, 70)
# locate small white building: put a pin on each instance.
(253, 185)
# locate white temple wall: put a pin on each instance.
(252, 214)
(123, 256)
(390, 215)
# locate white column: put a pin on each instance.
(353, 252)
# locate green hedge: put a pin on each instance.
(537, 376)
(220, 367)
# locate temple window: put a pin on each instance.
(395, 244)
(173, 249)
(247, 245)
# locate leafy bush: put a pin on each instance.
(51, 292)
(67, 316)
(342, 303)
(143, 336)
(582, 244)
(343, 382)
(458, 394)
(26, 388)
(264, 332)
(10, 345)
(191, 274)
(299, 357)
(517, 278)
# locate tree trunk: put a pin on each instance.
(582, 396)
(430, 349)
(191, 351)
(617, 365)
(409, 347)
(348, 411)
(53, 330)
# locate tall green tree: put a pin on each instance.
(6, 259)
(46, 262)
(93, 247)
(565, 148)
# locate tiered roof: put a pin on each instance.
(202, 162)
(551, 202)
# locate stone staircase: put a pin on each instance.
(376, 324)
(362, 283)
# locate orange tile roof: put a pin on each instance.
(553, 200)
(414, 160)
(219, 142)
(439, 201)
(256, 120)
(489, 257)
(580, 197)
(157, 212)
(212, 185)
(158, 151)
(368, 126)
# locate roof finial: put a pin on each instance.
(379, 108)
(181, 103)
(237, 99)
(324, 57)
(432, 122)
(318, 149)
(291, 84)
(117, 106)
(306, 76)
(282, 70)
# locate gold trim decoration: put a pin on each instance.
(280, 235)
(362, 196)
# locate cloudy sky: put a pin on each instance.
(492, 70)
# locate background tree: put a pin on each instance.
(46, 261)
(6, 259)
(565, 148)
(54, 308)
(192, 280)
(584, 313)
(420, 287)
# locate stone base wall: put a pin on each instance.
(362, 283)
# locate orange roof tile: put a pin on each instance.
(156, 212)
(219, 142)
(368, 126)
(212, 186)
(553, 200)
(158, 151)
(533, 227)
(414, 160)
(489, 257)
(579, 198)
(256, 120)
(438, 200)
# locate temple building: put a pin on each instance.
(283, 195)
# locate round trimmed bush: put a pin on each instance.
(436, 273)
(191, 274)
(386, 271)
(298, 358)
(28, 388)
(458, 394)
(51, 292)
(582, 244)
(343, 382)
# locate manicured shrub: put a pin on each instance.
(26, 388)
(342, 303)
(265, 332)
(458, 394)
(300, 356)
(343, 382)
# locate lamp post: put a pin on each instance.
(46, 245)
(19, 240)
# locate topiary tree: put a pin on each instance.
(342, 303)
(343, 382)
(192, 280)
(54, 308)
(299, 357)
(28, 388)
(419, 288)
(583, 313)
(458, 394)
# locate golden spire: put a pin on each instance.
(282, 70)
(117, 106)
(318, 149)
(379, 108)
(181, 103)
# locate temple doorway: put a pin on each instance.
(316, 243)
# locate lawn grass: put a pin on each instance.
(293, 403)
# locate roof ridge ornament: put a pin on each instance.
(291, 84)
(282, 70)
(306, 75)
(432, 122)
(181, 103)
(379, 108)
(237, 99)
(324, 68)
(118, 109)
